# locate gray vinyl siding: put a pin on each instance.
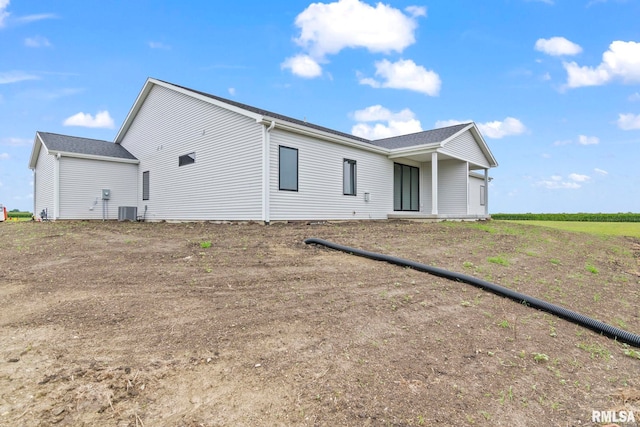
(224, 183)
(475, 207)
(452, 187)
(43, 182)
(81, 184)
(320, 181)
(465, 147)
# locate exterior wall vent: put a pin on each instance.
(127, 213)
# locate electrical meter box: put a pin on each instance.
(106, 194)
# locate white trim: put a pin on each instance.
(266, 172)
(56, 186)
(467, 187)
(93, 157)
(486, 191)
(434, 183)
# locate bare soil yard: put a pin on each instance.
(145, 324)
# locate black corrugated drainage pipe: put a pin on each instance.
(572, 316)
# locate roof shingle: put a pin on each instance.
(93, 147)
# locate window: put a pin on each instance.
(349, 177)
(187, 159)
(145, 185)
(406, 188)
(483, 196)
(288, 168)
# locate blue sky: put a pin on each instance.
(554, 85)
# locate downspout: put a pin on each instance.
(266, 172)
(56, 186)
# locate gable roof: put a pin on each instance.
(435, 136)
(427, 140)
(75, 146)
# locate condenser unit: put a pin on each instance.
(127, 213)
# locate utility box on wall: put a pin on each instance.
(106, 194)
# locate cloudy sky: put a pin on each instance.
(553, 85)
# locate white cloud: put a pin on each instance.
(36, 17)
(557, 46)
(563, 142)
(416, 11)
(495, 130)
(101, 120)
(447, 123)
(4, 156)
(37, 41)
(16, 142)
(621, 61)
(601, 172)
(16, 76)
(3, 11)
(232, 91)
(404, 74)
(628, 121)
(329, 28)
(393, 124)
(556, 183)
(302, 66)
(159, 45)
(377, 113)
(588, 140)
(635, 97)
(579, 178)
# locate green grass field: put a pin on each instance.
(631, 229)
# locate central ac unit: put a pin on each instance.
(127, 213)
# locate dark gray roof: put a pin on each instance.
(74, 144)
(271, 114)
(420, 138)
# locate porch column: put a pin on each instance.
(486, 191)
(434, 183)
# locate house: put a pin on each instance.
(187, 155)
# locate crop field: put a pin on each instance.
(630, 229)
(197, 324)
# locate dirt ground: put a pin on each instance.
(142, 324)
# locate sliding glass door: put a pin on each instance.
(406, 188)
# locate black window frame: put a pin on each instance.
(414, 205)
(187, 159)
(281, 149)
(353, 177)
(145, 185)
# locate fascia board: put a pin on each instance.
(93, 157)
(414, 150)
(35, 150)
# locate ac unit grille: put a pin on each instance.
(127, 213)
